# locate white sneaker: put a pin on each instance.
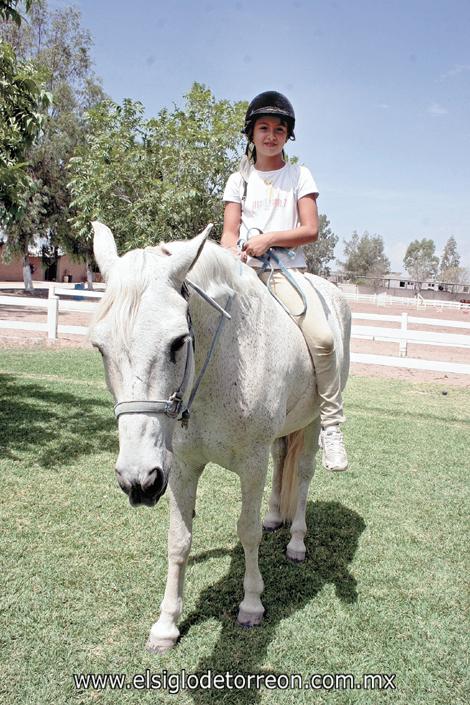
(334, 453)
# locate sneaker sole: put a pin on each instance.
(334, 469)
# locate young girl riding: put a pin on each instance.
(270, 203)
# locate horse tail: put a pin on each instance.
(290, 475)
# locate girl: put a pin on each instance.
(271, 203)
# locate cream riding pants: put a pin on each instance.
(319, 339)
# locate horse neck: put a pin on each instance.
(222, 277)
(204, 317)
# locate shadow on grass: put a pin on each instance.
(331, 544)
(56, 426)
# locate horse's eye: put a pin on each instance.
(176, 345)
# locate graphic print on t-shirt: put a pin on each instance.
(275, 198)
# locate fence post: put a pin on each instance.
(403, 328)
(52, 315)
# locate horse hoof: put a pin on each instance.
(270, 527)
(159, 647)
(295, 556)
(249, 619)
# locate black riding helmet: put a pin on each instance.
(270, 103)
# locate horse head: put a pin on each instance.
(142, 332)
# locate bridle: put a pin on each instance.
(173, 406)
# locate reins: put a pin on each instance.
(267, 260)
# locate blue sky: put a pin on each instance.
(381, 91)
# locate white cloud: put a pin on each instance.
(437, 109)
(455, 71)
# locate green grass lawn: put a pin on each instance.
(383, 589)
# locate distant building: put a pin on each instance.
(396, 283)
(58, 267)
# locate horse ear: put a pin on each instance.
(104, 248)
(184, 259)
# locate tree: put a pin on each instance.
(56, 42)
(365, 256)
(450, 261)
(420, 261)
(8, 10)
(318, 254)
(455, 275)
(22, 102)
(160, 178)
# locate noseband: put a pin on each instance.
(173, 406)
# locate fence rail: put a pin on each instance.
(411, 363)
(418, 302)
(402, 335)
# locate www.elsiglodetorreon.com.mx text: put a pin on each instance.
(174, 683)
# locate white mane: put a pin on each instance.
(127, 281)
(216, 270)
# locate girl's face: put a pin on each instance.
(269, 136)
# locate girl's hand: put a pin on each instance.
(233, 250)
(258, 245)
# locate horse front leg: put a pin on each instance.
(249, 527)
(182, 497)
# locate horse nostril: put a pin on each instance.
(155, 481)
(123, 483)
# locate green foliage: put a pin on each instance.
(159, 178)
(420, 261)
(61, 48)
(455, 275)
(449, 266)
(22, 104)
(8, 11)
(365, 256)
(318, 254)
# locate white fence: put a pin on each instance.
(53, 305)
(418, 302)
(402, 335)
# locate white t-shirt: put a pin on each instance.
(271, 203)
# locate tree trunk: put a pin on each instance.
(27, 275)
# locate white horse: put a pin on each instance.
(258, 395)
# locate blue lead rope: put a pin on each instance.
(267, 259)
(267, 264)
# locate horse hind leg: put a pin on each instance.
(252, 480)
(273, 520)
(295, 551)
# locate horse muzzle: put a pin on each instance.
(146, 490)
